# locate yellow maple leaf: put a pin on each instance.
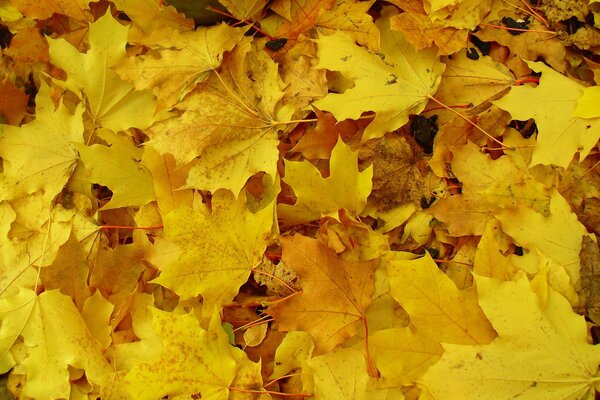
(489, 187)
(467, 81)
(244, 9)
(490, 257)
(192, 361)
(168, 181)
(228, 122)
(118, 167)
(351, 18)
(335, 292)
(541, 351)
(56, 338)
(152, 22)
(15, 309)
(186, 59)
(558, 235)
(109, 101)
(32, 233)
(345, 187)
(433, 301)
(40, 155)
(215, 252)
(461, 14)
(422, 33)
(402, 355)
(552, 104)
(394, 83)
(108, 276)
(342, 375)
(531, 45)
(40, 10)
(501, 182)
(587, 104)
(68, 272)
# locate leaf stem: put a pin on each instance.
(506, 28)
(235, 389)
(295, 121)
(469, 122)
(526, 79)
(258, 321)
(372, 368)
(130, 227)
(280, 378)
(462, 106)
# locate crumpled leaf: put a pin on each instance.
(393, 85)
(40, 155)
(335, 293)
(540, 353)
(13, 103)
(214, 253)
(345, 187)
(552, 105)
(110, 101)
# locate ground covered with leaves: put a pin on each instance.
(287, 199)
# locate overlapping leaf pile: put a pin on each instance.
(329, 199)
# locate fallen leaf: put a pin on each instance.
(200, 361)
(56, 338)
(422, 32)
(238, 239)
(552, 104)
(118, 167)
(434, 303)
(393, 85)
(111, 102)
(335, 293)
(189, 59)
(337, 376)
(15, 310)
(40, 155)
(346, 187)
(540, 352)
(587, 103)
(403, 355)
(557, 235)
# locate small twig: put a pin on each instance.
(506, 28)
